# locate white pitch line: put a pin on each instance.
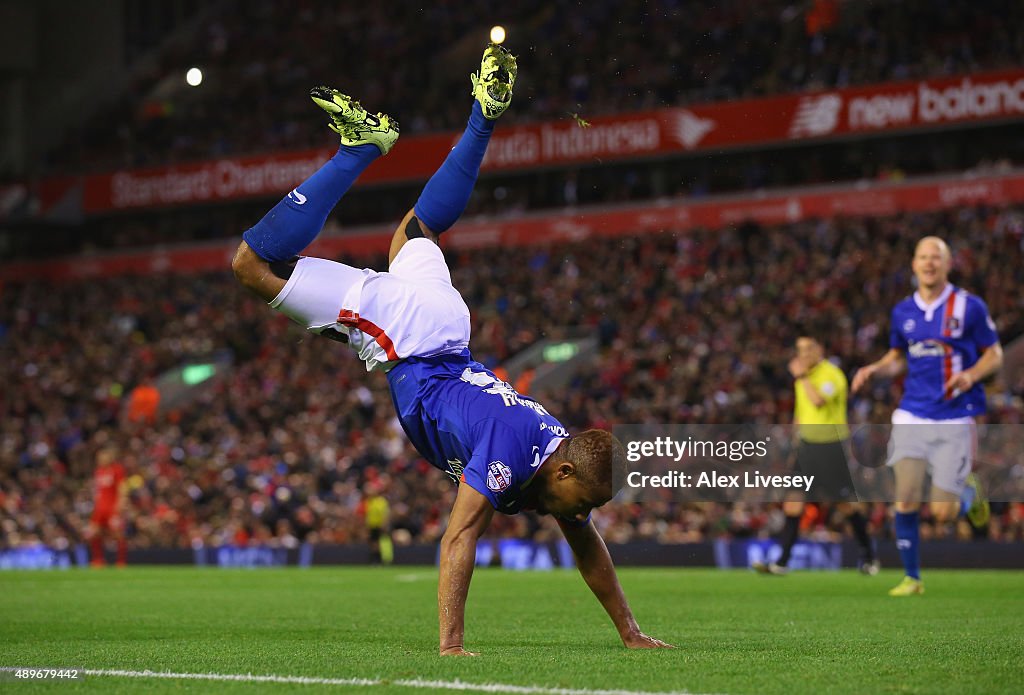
(369, 682)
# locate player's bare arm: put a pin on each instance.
(411, 227)
(256, 274)
(892, 364)
(470, 517)
(595, 564)
(990, 362)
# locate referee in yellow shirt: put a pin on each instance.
(820, 413)
(378, 517)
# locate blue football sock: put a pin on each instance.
(445, 196)
(967, 499)
(907, 539)
(292, 224)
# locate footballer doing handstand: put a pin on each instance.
(506, 450)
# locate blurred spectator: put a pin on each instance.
(599, 57)
(143, 403)
(694, 327)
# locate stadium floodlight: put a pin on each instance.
(194, 77)
(497, 34)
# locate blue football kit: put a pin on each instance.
(474, 426)
(411, 322)
(933, 423)
(940, 340)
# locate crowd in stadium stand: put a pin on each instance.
(601, 57)
(694, 327)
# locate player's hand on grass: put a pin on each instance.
(638, 640)
(457, 651)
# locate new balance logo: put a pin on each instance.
(689, 129)
(818, 115)
(297, 197)
(903, 545)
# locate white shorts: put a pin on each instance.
(410, 311)
(947, 445)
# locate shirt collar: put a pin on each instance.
(929, 309)
(548, 450)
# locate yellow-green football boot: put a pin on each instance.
(979, 512)
(353, 123)
(908, 587)
(492, 86)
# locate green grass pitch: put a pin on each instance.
(810, 632)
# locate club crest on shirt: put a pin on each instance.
(952, 324)
(909, 325)
(499, 476)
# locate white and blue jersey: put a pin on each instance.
(940, 340)
(412, 323)
(474, 426)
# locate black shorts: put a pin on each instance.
(827, 462)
